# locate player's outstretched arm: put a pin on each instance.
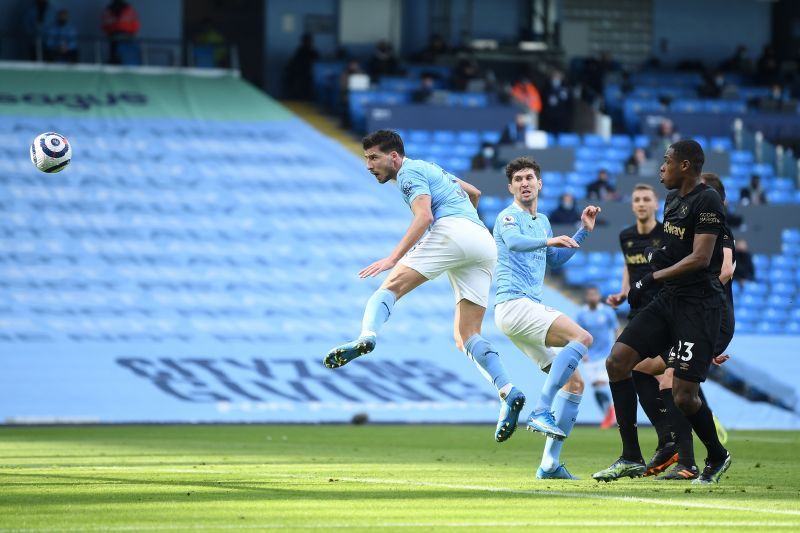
(423, 217)
(472, 191)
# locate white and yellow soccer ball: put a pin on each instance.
(51, 152)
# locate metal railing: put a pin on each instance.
(145, 52)
(783, 159)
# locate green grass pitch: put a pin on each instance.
(176, 478)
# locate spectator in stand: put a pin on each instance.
(753, 194)
(525, 93)
(714, 86)
(61, 42)
(775, 100)
(595, 70)
(485, 159)
(601, 188)
(556, 116)
(739, 62)
(39, 16)
(745, 270)
(120, 24)
(436, 48)
(298, 81)
(638, 164)
(346, 80)
(768, 68)
(515, 132)
(383, 62)
(212, 38)
(566, 212)
(665, 136)
(466, 70)
(426, 89)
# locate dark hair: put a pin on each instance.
(713, 181)
(515, 165)
(386, 141)
(645, 187)
(691, 151)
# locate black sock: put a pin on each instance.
(681, 428)
(624, 394)
(602, 399)
(650, 400)
(703, 424)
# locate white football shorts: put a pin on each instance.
(594, 371)
(526, 322)
(463, 249)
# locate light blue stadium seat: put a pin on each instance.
(769, 327)
(444, 136)
(592, 139)
(491, 136)
(622, 141)
(785, 288)
(791, 235)
(469, 137)
(569, 140)
(779, 302)
(720, 144)
(792, 327)
(599, 258)
(782, 262)
(754, 287)
(747, 314)
(750, 300)
(780, 196)
(420, 136)
(765, 170)
(550, 177)
(741, 156)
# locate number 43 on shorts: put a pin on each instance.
(685, 347)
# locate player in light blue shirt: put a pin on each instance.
(526, 246)
(601, 322)
(445, 235)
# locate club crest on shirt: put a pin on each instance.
(683, 210)
(407, 189)
(629, 244)
(509, 220)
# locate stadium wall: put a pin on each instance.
(709, 31)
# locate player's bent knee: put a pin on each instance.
(687, 401)
(585, 338)
(621, 361)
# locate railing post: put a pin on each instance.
(737, 133)
(759, 147)
(779, 160)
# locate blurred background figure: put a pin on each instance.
(753, 194)
(120, 24)
(638, 164)
(514, 133)
(601, 188)
(566, 212)
(437, 47)
(298, 79)
(557, 104)
(210, 44)
(61, 42)
(485, 159)
(38, 17)
(745, 270)
(383, 62)
(601, 322)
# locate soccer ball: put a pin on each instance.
(50, 152)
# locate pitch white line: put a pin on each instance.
(398, 525)
(483, 488)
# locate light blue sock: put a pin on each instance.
(379, 307)
(566, 408)
(561, 369)
(481, 352)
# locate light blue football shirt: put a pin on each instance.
(602, 324)
(448, 199)
(521, 274)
